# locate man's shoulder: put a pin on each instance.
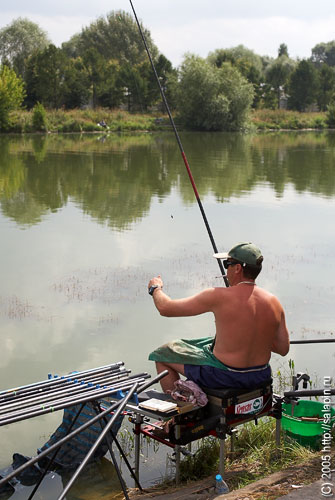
(269, 296)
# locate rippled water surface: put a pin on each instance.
(86, 221)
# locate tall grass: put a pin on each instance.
(280, 119)
(87, 121)
(255, 454)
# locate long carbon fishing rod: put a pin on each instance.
(70, 386)
(60, 404)
(62, 379)
(312, 341)
(65, 439)
(71, 391)
(223, 273)
(309, 393)
(58, 444)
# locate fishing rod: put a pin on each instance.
(73, 389)
(222, 270)
(308, 393)
(38, 386)
(63, 385)
(312, 341)
(62, 403)
(58, 444)
(72, 434)
(71, 385)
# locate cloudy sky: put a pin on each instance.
(179, 26)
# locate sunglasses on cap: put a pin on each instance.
(227, 263)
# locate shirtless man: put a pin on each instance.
(250, 325)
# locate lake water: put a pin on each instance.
(86, 221)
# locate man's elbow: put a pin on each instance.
(164, 313)
(165, 310)
(283, 350)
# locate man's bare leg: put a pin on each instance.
(174, 370)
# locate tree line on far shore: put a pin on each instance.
(105, 65)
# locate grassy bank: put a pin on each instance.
(255, 455)
(60, 121)
(256, 465)
(280, 119)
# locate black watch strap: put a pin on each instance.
(153, 288)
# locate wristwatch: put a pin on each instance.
(152, 289)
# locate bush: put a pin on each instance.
(89, 127)
(11, 95)
(319, 123)
(39, 120)
(70, 126)
(212, 98)
(330, 115)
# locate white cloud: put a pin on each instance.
(174, 36)
(59, 28)
(261, 35)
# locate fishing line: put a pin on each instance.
(223, 273)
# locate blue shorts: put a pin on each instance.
(209, 376)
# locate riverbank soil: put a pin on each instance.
(268, 488)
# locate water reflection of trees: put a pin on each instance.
(114, 178)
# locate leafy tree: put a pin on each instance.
(114, 57)
(303, 86)
(45, 77)
(55, 80)
(76, 88)
(236, 55)
(326, 90)
(103, 78)
(278, 72)
(246, 61)
(135, 80)
(212, 98)
(114, 37)
(19, 40)
(11, 94)
(140, 83)
(168, 80)
(324, 53)
(283, 50)
(330, 116)
(110, 92)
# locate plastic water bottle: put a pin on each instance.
(221, 486)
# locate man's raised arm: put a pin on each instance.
(191, 306)
(281, 344)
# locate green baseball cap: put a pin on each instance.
(247, 253)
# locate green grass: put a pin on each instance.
(255, 454)
(281, 119)
(87, 121)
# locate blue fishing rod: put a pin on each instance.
(222, 270)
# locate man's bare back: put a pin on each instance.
(250, 322)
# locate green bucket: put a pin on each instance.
(305, 425)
